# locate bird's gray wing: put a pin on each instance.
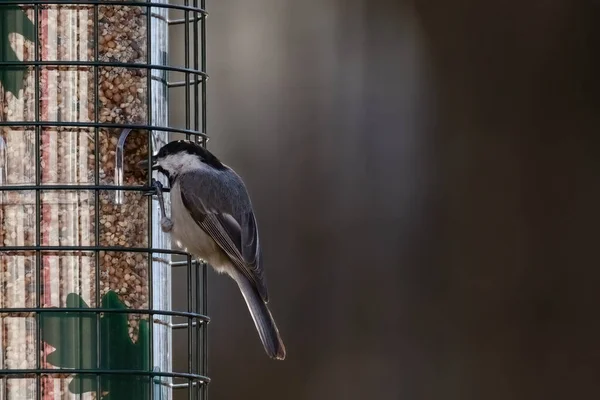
(232, 227)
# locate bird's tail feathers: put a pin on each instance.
(263, 320)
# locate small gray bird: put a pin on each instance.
(212, 218)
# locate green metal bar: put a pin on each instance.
(149, 138)
(38, 213)
(204, 128)
(97, 271)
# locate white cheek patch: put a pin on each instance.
(181, 163)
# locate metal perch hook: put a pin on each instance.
(119, 155)
(119, 165)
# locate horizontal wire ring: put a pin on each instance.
(54, 310)
(122, 249)
(74, 63)
(44, 371)
(50, 124)
(146, 4)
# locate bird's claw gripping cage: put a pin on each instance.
(85, 270)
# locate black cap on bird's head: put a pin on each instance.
(182, 148)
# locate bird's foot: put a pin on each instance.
(166, 224)
(156, 188)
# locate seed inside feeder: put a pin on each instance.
(67, 155)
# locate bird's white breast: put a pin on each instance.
(191, 238)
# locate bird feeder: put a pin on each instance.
(85, 269)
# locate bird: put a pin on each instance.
(212, 218)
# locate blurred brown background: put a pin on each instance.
(425, 175)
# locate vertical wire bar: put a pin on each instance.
(38, 235)
(204, 265)
(150, 226)
(97, 194)
(196, 67)
(190, 283)
(197, 348)
(197, 42)
(192, 329)
(186, 41)
(204, 78)
(198, 329)
(190, 322)
(204, 329)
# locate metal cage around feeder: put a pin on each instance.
(85, 269)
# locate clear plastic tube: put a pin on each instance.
(68, 155)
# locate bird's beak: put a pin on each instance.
(143, 165)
